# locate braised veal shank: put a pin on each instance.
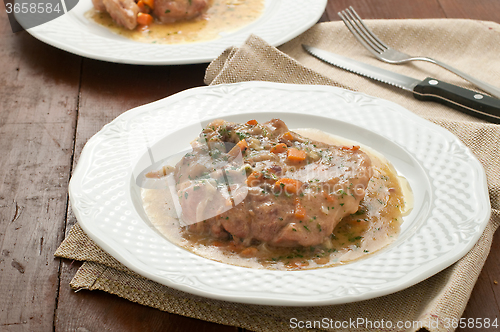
(262, 183)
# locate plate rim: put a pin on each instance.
(257, 299)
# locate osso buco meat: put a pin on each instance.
(262, 183)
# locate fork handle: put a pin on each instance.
(465, 100)
(492, 90)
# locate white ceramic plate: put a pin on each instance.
(281, 21)
(451, 199)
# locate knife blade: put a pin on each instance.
(465, 100)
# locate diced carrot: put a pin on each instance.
(300, 211)
(294, 154)
(278, 148)
(249, 252)
(142, 6)
(252, 122)
(243, 145)
(150, 3)
(144, 19)
(353, 148)
(254, 179)
(289, 185)
(288, 136)
(217, 244)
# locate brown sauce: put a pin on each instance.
(223, 16)
(375, 225)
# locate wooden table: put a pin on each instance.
(51, 103)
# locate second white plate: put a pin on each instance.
(281, 21)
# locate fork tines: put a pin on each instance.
(362, 33)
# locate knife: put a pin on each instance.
(467, 101)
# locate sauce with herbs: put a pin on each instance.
(374, 226)
(223, 16)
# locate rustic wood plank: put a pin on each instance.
(485, 298)
(485, 10)
(388, 9)
(103, 88)
(38, 96)
(492, 268)
(99, 311)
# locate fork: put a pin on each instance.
(385, 53)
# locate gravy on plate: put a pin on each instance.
(224, 16)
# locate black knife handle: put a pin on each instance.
(467, 101)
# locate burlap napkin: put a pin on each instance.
(470, 45)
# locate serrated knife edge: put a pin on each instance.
(429, 89)
(372, 72)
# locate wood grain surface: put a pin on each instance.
(51, 103)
